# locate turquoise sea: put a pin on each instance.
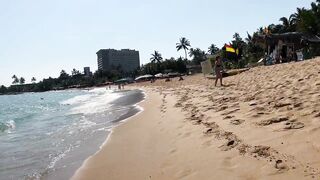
(48, 135)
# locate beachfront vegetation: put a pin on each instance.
(163, 66)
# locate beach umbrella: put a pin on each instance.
(159, 75)
(147, 76)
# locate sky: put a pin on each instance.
(39, 38)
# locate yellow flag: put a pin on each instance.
(230, 49)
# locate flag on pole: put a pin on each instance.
(230, 49)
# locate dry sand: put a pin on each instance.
(264, 124)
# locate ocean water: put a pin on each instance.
(48, 135)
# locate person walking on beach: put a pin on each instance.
(218, 70)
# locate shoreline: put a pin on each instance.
(120, 122)
(66, 168)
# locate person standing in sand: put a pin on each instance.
(218, 70)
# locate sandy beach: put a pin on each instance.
(263, 124)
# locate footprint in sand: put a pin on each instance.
(208, 109)
(178, 105)
(197, 122)
(272, 121)
(317, 115)
(236, 121)
(222, 108)
(280, 165)
(230, 112)
(293, 125)
(229, 145)
(209, 131)
(228, 117)
(253, 103)
(258, 108)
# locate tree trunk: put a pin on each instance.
(185, 51)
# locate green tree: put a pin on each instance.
(75, 72)
(15, 79)
(308, 23)
(239, 45)
(252, 51)
(275, 28)
(213, 49)
(181, 65)
(315, 8)
(22, 80)
(3, 89)
(63, 75)
(197, 55)
(156, 59)
(183, 44)
(237, 41)
(287, 24)
(33, 80)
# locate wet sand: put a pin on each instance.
(264, 124)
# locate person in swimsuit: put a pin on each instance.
(218, 70)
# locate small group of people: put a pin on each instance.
(120, 86)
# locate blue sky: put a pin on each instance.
(40, 37)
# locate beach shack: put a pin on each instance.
(286, 47)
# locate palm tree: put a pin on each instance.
(248, 38)
(197, 54)
(287, 24)
(213, 49)
(296, 17)
(307, 20)
(183, 44)
(22, 80)
(75, 72)
(33, 80)
(63, 75)
(15, 79)
(156, 59)
(315, 8)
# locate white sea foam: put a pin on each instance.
(96, 102)
(11, 124)
(7, 126)
(77, 99)
(56, 158)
